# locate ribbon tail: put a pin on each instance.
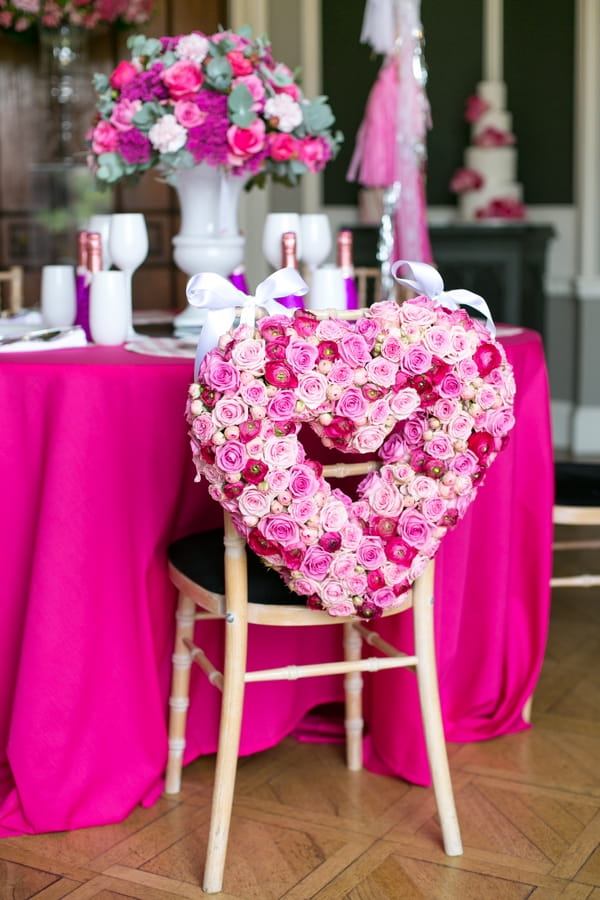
(462, 297)
(218, 321)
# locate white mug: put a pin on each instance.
(327, 289)
(57, 295)
(109, 308)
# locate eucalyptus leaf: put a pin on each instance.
(219, 73)
(110, 167)
(100, 82)
(140, 45)
(145, 117)
(317, 115)
(239, 105)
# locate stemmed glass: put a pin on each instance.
(315, 234)
(128, 246)
(101, 224)
(276, 224)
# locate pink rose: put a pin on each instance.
(220, 374)
(303, 509)
(124, 72)
(354, 350)
(230, 411)
(392, 348)
(239, 63)
(104, 138)
(316, 563)
(417, 311)
(281, 529)
(203, 427)
(440, 446)
(281, 407)
(450, 386)
(351, 535)
(460, 426)
(422, 487)
(245, 142)
(414, 528)
(465, 180)
(416, 360)
(282, 146)
(351, 404)
(445, 408)
(465, 463)
(341, 373)
(343, 566)
(254, 85)
(499, 421)
(254, 393)
(437, 340)
(231, 456)
(433, 508)
(369, 552)
(301, 355)
(183, 79)
(341, 608)
(384, 598)
(384, 499)
(314, 153)
(381, 371)
(303, 482)
(380, 411)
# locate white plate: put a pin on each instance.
(163, 346)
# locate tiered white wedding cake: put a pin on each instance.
(486, 185)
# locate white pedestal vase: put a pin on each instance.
(208, 239)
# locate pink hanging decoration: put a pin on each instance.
(390, 144)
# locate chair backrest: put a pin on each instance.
(577, 505)
(13, 277)
(368, 284)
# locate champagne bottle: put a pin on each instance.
(345, 263)
(82, 284)
(289, 260)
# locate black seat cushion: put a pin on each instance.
(577, 484)
(200, 558)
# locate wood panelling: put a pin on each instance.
(41, 207)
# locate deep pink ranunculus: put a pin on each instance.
(124, 72)
(282, 146)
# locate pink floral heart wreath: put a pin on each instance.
(426, 387)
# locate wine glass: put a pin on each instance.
(100, 223)
(315, 233)
(128, 245)
(276, 224)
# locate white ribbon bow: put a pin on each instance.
(424, 279)
(221, 298)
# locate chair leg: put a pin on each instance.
(431, 712)
(353, 683)
(180, 692)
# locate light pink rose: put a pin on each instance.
(277, 479)
(183, 79)
(303, 509)
(433, 508)
(445, 408)
(369, 438)
(486, 396)
(341, 608)
(220, 374)
(417, 311)
(351, 535)
(281, 452)
(312, 389)
(460, 426)
(316, 563)
(369, 552)
(230, 411)
(392, 348)
(189, 113)
(303, 481)
(357, 585)
(381, 371)
(334, 593)
(341, 373)
(384, 499)
(253, 502)
(231, 456)
(334, 515)
(249, 354)
(422, 487)
(332, 329)
(440, 446)
(123, 113)
(499, 422)
(384, 598)
(343, 565)
(465, 463)
(254, 393)
(280, 408)
(281, 529)
(414, 528)
(437, 339)
(203, 427)
(467, 369)
(245, 142)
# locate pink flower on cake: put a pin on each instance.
(493, 137)
(465, 180)
(475, 107)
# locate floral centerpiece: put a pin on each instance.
(426, 387)
(219, 99)
(25, 15)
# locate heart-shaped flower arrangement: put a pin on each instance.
(425, 387)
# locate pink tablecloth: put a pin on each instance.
(97, 478)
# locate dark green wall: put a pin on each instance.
(538, 68)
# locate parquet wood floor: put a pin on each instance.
(305, 828)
